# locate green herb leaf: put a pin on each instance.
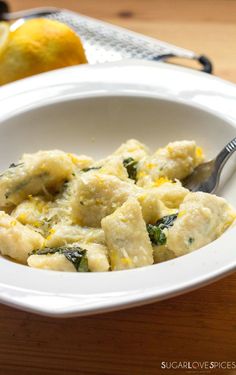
(90, 169)
(75, 254)
(166, 221)
(131, 166)
(23, 184)
(156, 234)
(190, 240)
(45, 251)
(13, 165)
(9, 170)
(78, 257)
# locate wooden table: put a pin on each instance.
(198, 326)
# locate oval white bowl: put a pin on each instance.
(91, 110)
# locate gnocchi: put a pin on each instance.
(63, 212)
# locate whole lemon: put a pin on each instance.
(37, 46)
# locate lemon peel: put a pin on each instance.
(4, 35)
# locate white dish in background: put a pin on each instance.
(91, 110)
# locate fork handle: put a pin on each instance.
(225, 154)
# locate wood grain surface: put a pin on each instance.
(199, 326)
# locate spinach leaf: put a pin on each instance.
(90, 169)
(9, 170)
(131, 166)
(156, 234)
(23, 184)
(191, 240)
(16, 188)
(13, 165)
(75, 254)
(166, 221)
(78, 258)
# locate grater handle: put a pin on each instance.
(206, 64)
(7, 15)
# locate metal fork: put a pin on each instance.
(206, 176)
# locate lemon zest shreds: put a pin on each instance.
(199, 154)
(160, 181)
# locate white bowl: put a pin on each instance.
(91, 110)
